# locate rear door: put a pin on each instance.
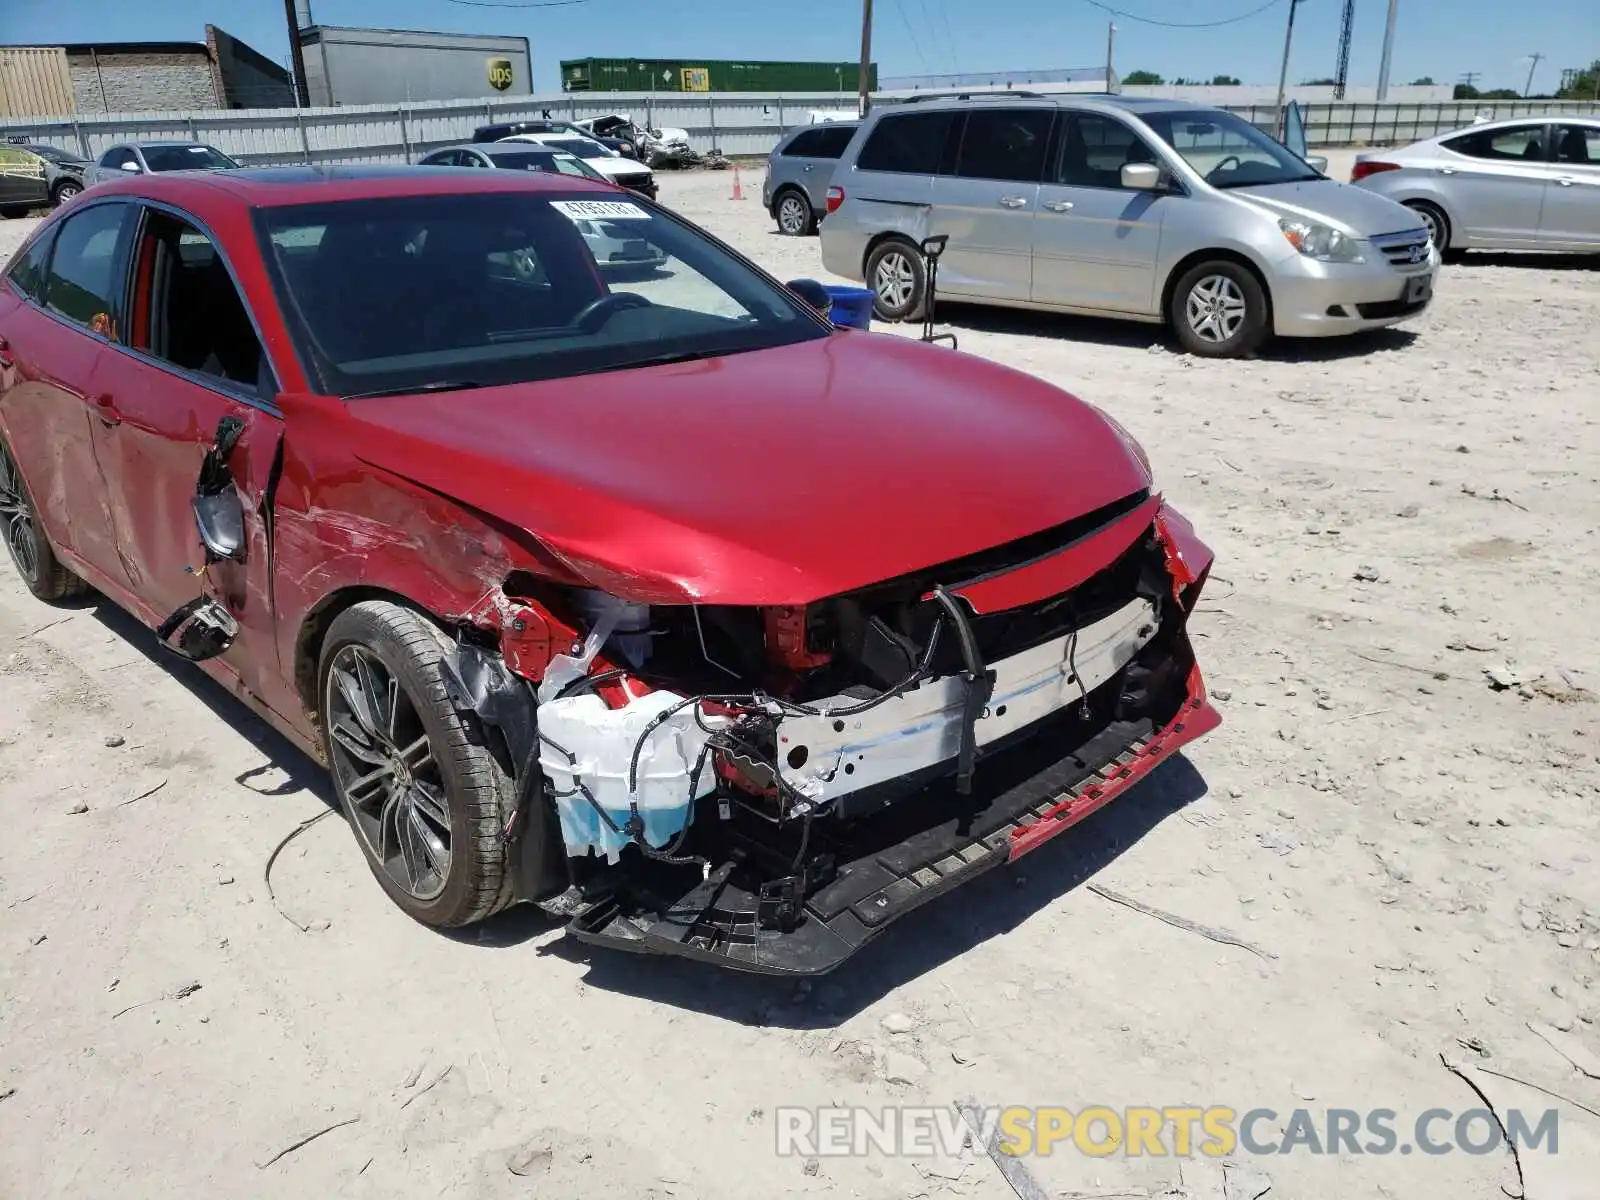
(1571, 213)
(22, 181)
(1095, 243)
(57, 322)
(986, 202)
(192, 357)
(1494, 181)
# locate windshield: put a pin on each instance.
(552, 161)
(186, 158)
(1227, 150)
(484, 289)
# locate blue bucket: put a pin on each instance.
(852, 306)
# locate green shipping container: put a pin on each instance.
(709, 75)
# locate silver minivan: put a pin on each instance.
(1147, 209)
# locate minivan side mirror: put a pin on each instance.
(1141, 177)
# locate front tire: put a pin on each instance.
(794, 214)
(425, 798)
(25, 538)
(899, 280)
(66, 191)
(1219, 310)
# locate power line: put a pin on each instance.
(915, 44)
(949, 37)
(1117, 12)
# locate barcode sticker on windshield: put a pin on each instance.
(600, 210)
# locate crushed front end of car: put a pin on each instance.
(769, 788)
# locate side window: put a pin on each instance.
(834, 140)
(22, 165)
(114, 159)
(83, 282)
(1578, 144)
(187, 310)
(1004, 144)
(27, 273)
(1519, 143)
(1093, 150)
(805, 145)
(909, 144)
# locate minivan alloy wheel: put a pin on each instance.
(16, 519)
(894, 280)
(793, 215)
(1215, 308)
(393, 790)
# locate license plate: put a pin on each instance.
(1418, 290)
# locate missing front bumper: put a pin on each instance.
(1030, 797)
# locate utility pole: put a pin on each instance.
(1470, 78)
(1388, 51)
(1283, 76)
(302, 98)
(1533, 66)
(1111, 58)
(862, 98)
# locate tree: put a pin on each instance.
(1425, 81)
(1465, 91)
(1584, 84)
(1142, 78)
(1224, 81)
(1319, 83)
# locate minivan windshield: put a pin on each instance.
(463, 290)
(1226, 149)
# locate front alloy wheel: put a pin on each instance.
(387, 773)
(1219, 309)
(1215, 309)
(66, 191)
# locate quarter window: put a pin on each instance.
(28, 272)
(1578, 144)
(1521, 142)
(1005, 144)
(83, 279)
(909, 144)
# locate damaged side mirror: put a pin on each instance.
(221, 522)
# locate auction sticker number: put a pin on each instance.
(599, 210)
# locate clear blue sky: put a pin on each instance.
(1441, 38)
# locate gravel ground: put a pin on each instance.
(1394, 517)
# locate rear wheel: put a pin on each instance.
(1219, 310)
(794, 214)
(425, 798)
(899, 281)
(25, 538)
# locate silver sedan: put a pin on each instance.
(1529, 184)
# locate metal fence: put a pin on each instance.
(740, 124)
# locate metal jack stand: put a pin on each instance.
(932, 249)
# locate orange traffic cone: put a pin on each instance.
(738, 184)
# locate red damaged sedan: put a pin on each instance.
(666, 605)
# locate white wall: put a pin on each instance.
(1265, 93)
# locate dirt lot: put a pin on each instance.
(1393, 517)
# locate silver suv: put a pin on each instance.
(1152, 210)
(798, 172)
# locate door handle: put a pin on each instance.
(106, 409)
(1566, 181)
(1058, 205)
(1013, 201)
(1447, 170)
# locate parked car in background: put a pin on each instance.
(145, 158)
(1146, 209)
(614, 249)
(479, 540)
(499, 132)
(1528, 184)
(619, 168)
(799, 170)
(35, 176)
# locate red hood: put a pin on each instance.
(774, 477)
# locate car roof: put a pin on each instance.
(159, 144)
(1086, 101)
(503, 147)
(1515, 123)
(272, 187)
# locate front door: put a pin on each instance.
(193, 358)
(1571, 214)
(56, 342)
(1495, 180)
(1095, 242)
(986, 203)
